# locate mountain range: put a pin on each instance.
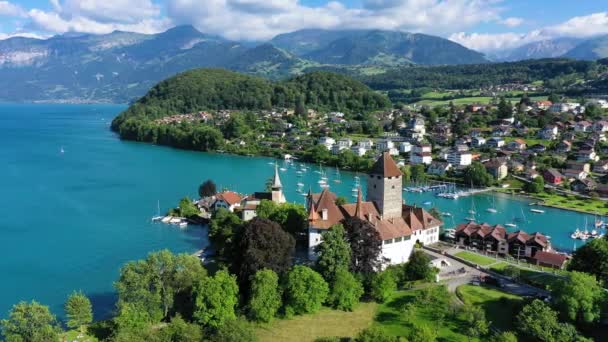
(122, 66)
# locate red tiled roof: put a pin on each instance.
(519, 235)
(550, 258)
(538, 238)
(385, 165)
(325, 201)
(229, 197)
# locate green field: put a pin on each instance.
(393, 320)
(325, 323)
(531, 276)
(594, 206)
(500, 307)
(476, 258)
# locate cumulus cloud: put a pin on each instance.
(263, 19)
(579, 27)
(10, 9)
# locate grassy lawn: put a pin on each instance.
(500, 307)
(475, 258)
(594, 206)
(460, 101)
(72, 335)
(325, 323)
(532, 277)
(391, 318)
(529, 141)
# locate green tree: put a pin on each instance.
(333, 252)
(78, 311)
(422, 333)
(216, 299)
(235, 331)
(418, 174)
(207, 188)
(406, 171)
(263, 244)
(538, 322)
(178, 330)
(592, 258)
(505, 336)
(419, 267)
(223, 230)
(383, 286)
(187, 208)
(365, 245)
(536, 186)
(305, 290)
(512, 271)
(265, 297)
(374, 335)
(477, 174)
(477, 325)
(505, 109)
(133, 318)
(300, 108)
(160, 284)
(235, 127)
(580, 298)
(554, 98)
(30, 322)
(346, 290)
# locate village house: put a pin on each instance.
(328, 142)
(549, 132)
(586, 155)
(459, 158)
(584, 185)
(438, 168)
(478, 141)
(563, 146)
(544, 105)
(248, 205)
(583, 126)
(496, 142)
(571, 174)
(405, 147)
(517, 145)
(600, 126)
(421, 154)
(497, 168)
(578, 166)
(384, 145)
(359, 150)
(550, 259)
(399, 226)
(229, 200)
(552, 176)
(601, 167)
(341, 144)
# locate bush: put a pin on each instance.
(383, 286)
(374, 335)
(235, 331)
(346, 291)
(265, 296)
(305, 291)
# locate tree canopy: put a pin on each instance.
(592, 258)
(265, 296)
(30, 322)
(78, 310)
(305, 290)
(216, 299)
(365, 244)
(333, 253)
(580, 298)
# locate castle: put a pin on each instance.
(399, 226)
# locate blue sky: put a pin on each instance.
(485, 25)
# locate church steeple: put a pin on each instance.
(276, 180)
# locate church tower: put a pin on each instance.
(384, 187)
(277, 187)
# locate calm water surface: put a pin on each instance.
(68, 221)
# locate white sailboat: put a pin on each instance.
(492, 209)
(158, 217)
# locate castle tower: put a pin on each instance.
(384, 187)
(277, 187)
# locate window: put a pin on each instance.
(374, 186)
(399, 239)
(393, 186)
(389, 241)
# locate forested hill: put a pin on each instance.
(479, 75)
(214, 89)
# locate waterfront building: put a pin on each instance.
(552, 176)
(399, 226)
(497, 168)
(327, 142)
(421, 154)
(495, 239)
(460, 158)
(227, 200)
(249, 204)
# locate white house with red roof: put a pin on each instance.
(399, 226)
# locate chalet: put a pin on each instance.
(601, 167)
(501, 131)
(229, 200)
(538, 148)
(327, 142)
(584, 185)
(550, 259)
(421, 154)
(586, 155)
(517, 145)
(359, 150)
(563, 146)
(439, 168)
(600, 126)
(496, 142)
(574, 174)
(583, 126)
(549, 132)
(497, 168)
(495, 239)
(478, 141)
(552, 176)
(516, 166)
(578, 166)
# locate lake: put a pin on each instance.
(71, 219)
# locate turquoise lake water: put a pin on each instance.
(70, 220)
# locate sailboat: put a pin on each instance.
(62, 151)
(158, 217)
(492, 209)
(337, 180)
(472, 210)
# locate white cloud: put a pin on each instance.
(22, 34)
(263, 19)
(512, 21)
(114, 11)
(10, 9)
(580, 27)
